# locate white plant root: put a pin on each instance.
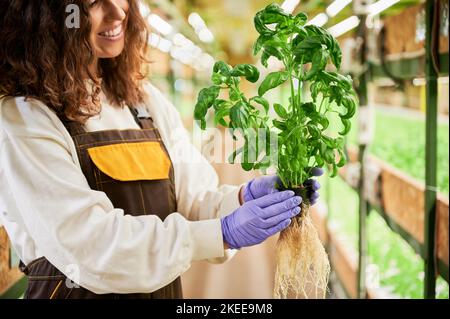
(303, 267)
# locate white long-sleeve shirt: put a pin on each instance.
(48, 208)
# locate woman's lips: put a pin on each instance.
(112, 34)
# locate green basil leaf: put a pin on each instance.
(314, 30)
(300, 19)
(350, 105)
(265, 58)
(329, 155)
(300, 36)
(330, 42)
(261, 101)
(273, 13)
(250, 72)
(334, 170)
(289, 149)
(336, 54)
(347, 126)
(319, 160)
(279, 125)
(309, 108)
(313, 131)
(339, 142)
(232, 157)
(247, 166)
(221, 67)
(217, 79)
(280, 110)
(239, 115)
(310, 43)
(273, 51)
(260, 43)
(342, 159)
(220, 104)
(329, 142)
(205, 100)
(219, 117)
(323, 121)
(273, 80)
(260, 26)
(319, 62)
(235, 95)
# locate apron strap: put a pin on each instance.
(142, 117)
(73, 127)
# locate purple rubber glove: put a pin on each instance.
(260, 186)
(265, 185)
(313, 186)
(258, 219)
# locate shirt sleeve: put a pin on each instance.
(199, 195)
(75, 225)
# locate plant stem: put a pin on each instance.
(291, 82)
(300, 84)
(321, 103)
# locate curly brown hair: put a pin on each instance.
(43, 59)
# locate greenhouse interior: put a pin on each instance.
(379, 69)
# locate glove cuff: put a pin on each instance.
(226, 233)
(247, 193)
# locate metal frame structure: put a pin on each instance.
(435, 64)
(431, 50)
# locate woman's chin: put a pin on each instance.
(109, 53)
(106, 49)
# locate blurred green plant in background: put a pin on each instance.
(400, 141)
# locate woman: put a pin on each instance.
(93, 183)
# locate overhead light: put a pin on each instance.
(196, 21)
(160, 24)
(336, 7)
(165, 45)
(160, 43)
(344, 26)
(319, 20)
(206, 36)
(154, 40)
(183, 55)
(179, 39)
(289, 5)
(185, 51)
(196, 51)
(182, 41)
(199, 25)
(380, 6)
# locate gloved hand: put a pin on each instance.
(260, 186)
(258, 219)
(264, 185)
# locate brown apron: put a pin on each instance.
(144, 189)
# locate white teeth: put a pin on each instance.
(112, 33)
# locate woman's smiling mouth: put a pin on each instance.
(112, 34)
